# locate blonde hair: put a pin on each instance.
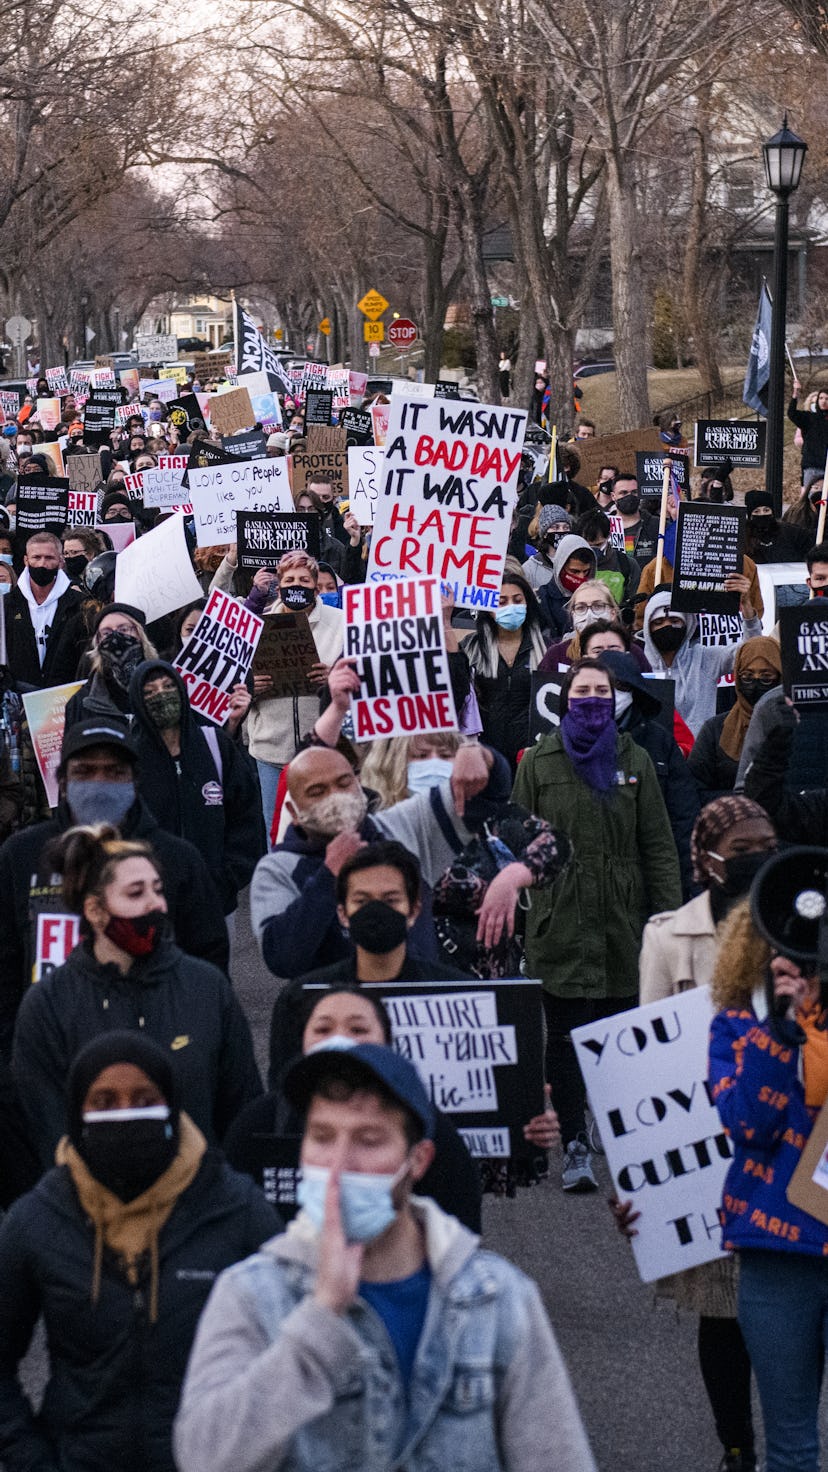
(573, 648)
(149, 649)
(742, 959)
(385, 769)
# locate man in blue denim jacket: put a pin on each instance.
(375, 1334)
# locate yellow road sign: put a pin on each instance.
(373, 331)
(373, 305)
(325, 326)
(278, 333)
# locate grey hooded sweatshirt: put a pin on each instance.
(695, 668)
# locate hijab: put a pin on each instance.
(737, 720)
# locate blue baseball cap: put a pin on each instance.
(369, 1063)
(9, 431)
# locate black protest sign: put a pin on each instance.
(445, 389)
(740, 440)
(273, 1162)
(99, 415)
(649, 470)
(286, 652)
(203, 454)
(42, 502)
(185, 415)
(710, 546)
(318, 406)
(252, 445)
(803, 638)
(262, 537)
(545, 703)
(358, 426)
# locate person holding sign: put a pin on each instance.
(363, 1239)
(747, 585)
(813, 427)
(583, 933)
(670, 647)
(506, 648)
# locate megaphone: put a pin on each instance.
(789, 907)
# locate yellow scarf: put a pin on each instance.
(131, 1228)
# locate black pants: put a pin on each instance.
(562, 1070)
(725, 1368)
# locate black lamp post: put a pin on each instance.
(784, 155)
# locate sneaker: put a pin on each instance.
(577, 1167)
(736, 1460)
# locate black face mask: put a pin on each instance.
(378, 928)
(668, 639)
(763, 526)
(42, 576)
(75, 565)
(297, 598)
(753, 690)
(628, 505)
(121, 655)
(128, 1155)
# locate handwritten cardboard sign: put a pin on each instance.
(325, 453)
(395, 633)
(231, 412)
(286, 651)
(218, 655)
(156, 347)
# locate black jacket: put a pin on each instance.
(65, 641)
(714, 771)
(789, 543)
(115, 1378)
(187, 1006)
(30, 895)
(219, 811)
(814, 427)
(677, 783)
(504, 700)
(19, 1167)
(799, 817)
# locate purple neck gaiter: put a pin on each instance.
(590, 738)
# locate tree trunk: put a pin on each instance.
(434, 307)
(559, 354)
(523, 367)
(700, 279)
(629, 310)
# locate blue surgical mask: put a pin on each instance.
(422, 776)
(5, 588)
(333, 600)
(7, 558)
(511, 615)
(100, 802)
(364, 1200)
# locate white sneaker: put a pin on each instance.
(577, 1167)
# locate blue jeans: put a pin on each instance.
(783, 1311)
(269, 775)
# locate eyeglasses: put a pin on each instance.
(591, 608)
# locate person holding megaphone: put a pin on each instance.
(769, 1079)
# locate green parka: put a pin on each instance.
(583, 932)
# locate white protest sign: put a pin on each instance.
(720, 628)
(364, 462)
(616, 536)
(447, 491)
(646, 1076)
(168, 388)
(103, 378)
(134, 485)
(408, 389)
(395, 633)
(83, 508)
(155, 572)
(338, 380)
(155, 347)
(218, 655)
(436, 1034)
(162, 486)
(219, 491)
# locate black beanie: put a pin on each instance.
(128, 609)
(758, 498)
(118, 1047)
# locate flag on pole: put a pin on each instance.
(253, 355)
(755, 391)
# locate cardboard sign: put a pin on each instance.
(395, 632)
(615, 449)
(720, 629)
(447, 491)
(82, 508)
(45, 713)
(318, 406)
(803, 638)
(218, 655)
(358, 427)
(739, 440)
(210, 366)
(364, 466)
(649, 470)
(710, 546)
(249, 446)
(646, 1076)
(231, 412)
(42, 502)
(155, 347)
(219, 491)
(445, 389)
(155, 573)
(325, 452)
(185, 415)
(262, 537)
(286, 651)
(162, 486)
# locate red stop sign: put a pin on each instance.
(402, 333)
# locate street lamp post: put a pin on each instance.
(783, 155)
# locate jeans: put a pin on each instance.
(783, 1311)
(269, 775)
(562, 1070)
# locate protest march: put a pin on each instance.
(413, 880)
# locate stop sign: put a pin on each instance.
(402, 333)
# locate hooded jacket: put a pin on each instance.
(552, 596)
(696, 669)
(66, 637)
(37, 933)
(184, 1004)
(114, 1378)
(489, 1391)
(209, 794)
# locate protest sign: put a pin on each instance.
(121, 533)
(357, 384)
(395, 633)
(338, 382)
(265, 402)
(357, 426)
(739, 440)
(178, 373)
(124, 412)
(318, 406)
(719, 629)
(219, 491)
(57, 380)
(78, 382)
(185, 415)
(218, 655)
(10, 403)
(263, 537)
(286, 651)
(231, 412)
(201, 454)
(52, 453)
(545, 702)
(134, 485)
(408, 388)
(249, 446)
(313, 376)
(42, 503)
(649, 470)
(155, 347)
(616, 536)
(103, 378)
(167, 390)
(155, 572)
(210, 366)
(48, 413)
(478, 1051)
(645, 1072)
(326, 452)
(445, 389)
(130, 381)
(83, 508)
(45, 713)
(380, 414)
(614, 449)
(104, 360)
(710, 545)
(364, 466)
(447, 491)
(99, 416)
(803, 638)
(162, 486)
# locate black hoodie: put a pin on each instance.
(209, 794)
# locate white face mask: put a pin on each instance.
(583, 617)
(623, 701)
(424, 775)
